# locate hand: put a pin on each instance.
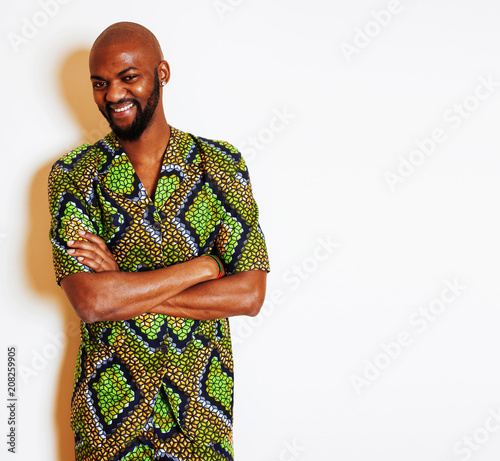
(93, 253)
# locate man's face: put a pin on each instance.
(126, 89)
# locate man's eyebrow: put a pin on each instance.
(124, 71)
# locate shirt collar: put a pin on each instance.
(181, 155)
(181, 149)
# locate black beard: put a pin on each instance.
(142, 118)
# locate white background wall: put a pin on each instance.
(362, 351)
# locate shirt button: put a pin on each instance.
(156, 225)
(164, 348)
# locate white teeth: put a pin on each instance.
(123, 108)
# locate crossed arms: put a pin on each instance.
(187, 289)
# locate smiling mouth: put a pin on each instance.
(124, 108)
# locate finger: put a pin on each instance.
(85, 254)
(92, 262)
(103, 266)
(88, 256)
(104, 260)
(94, 239)
(87, 246)
(98, 265)
(96, 260)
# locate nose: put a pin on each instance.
(115, 92)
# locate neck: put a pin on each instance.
(150, 147)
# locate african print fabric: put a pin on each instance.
(165, 380)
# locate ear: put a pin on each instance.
(164, 72)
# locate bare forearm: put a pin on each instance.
(239, 294)
(114, 295)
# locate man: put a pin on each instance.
(156, 242)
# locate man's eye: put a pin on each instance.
(130, 78)
(98, 85)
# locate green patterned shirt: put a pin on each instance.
(203, 204)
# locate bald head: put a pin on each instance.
(124, 34)
(127, 71)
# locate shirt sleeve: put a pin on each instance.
(69, 212)
(240, 241)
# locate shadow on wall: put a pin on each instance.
(77, 94)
